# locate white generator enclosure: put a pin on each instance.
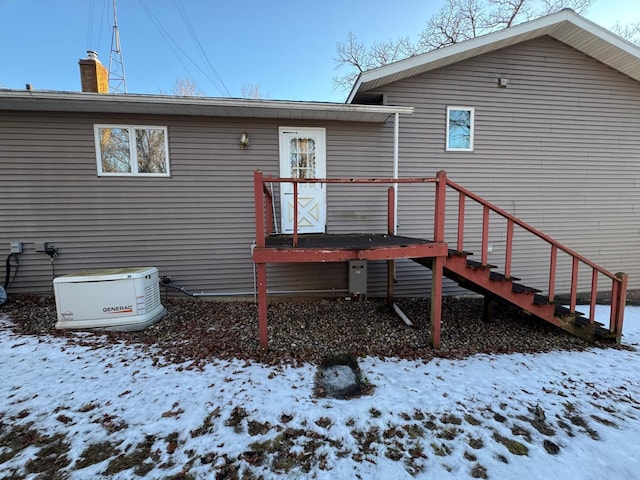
(124, 299)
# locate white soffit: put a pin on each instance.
(77, 102)
(565, 26)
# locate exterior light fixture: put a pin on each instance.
(244, 140)
(503, 82)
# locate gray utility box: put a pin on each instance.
(358, 278)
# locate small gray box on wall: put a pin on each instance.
(358, 278)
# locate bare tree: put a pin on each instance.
(360, 58)
(185, 87)
(629, 31)
(456, 21)
(252, 90)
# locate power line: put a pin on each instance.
(94, 37)
(203, 53)
(172, 43)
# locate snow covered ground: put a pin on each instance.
(89, 410)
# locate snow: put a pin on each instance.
(437, 419)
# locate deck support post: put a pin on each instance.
(391, 269)
(436, 299)
(262, 305)
(487, 310)
(391, 230)
(620, 302)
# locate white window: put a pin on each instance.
(460, 129)
(132, 150)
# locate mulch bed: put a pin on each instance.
(197, 331)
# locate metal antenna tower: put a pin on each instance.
(117, 81)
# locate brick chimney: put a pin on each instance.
(94, 76)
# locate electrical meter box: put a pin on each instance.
(124, 299)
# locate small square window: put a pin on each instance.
(460, 129)
(132, 150)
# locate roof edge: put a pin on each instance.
(543, 24)
(95, 103)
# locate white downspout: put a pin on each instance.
(396, 129)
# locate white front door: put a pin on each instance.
(303, 155)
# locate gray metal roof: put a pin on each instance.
(50, 101)
(565, 26)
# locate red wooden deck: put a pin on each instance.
(345, 247)
(435, 255)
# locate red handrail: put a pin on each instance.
(618, 290)
(266, 197)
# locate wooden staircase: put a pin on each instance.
(481, 277)
(494, 286)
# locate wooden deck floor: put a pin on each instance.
(344, 247)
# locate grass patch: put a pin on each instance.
(207, 424)
(449, 418)
(539, 424)
(514, 447)
(604, 421)
(414, 431)
(257, 428)
(96, 453)
(137, 460)
(448, 433)
(375, 413)
(283, 453)
(235, 419)
(441, 450)
(471, 420)
(550, 447)
(394, 454)
(479, 471)
(365, 439)
(469, 456)
(475, 443)
(51, 457)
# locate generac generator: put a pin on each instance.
(124, 299)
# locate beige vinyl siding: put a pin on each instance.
(559, 148)
(196, 226)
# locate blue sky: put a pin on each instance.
(286, 46)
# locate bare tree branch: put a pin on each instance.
(629, 31)
(252, 90)
(185, 87)
(456, 21)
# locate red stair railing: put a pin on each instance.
(619, 280)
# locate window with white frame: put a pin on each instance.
(132, 150)
(460, 129)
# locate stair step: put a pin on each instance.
(565, 312)
(456, 253)
(582, 321)
(544, 300)
(561, 311)
(604, 333)
(477, 265)
(499, 277)
(519, 288)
